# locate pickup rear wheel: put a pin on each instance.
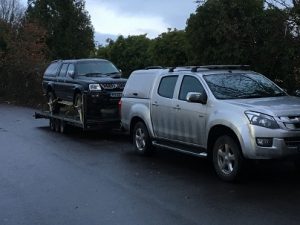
(141, 139)
(227, 158)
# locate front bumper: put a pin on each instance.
(285, 143)
(103, 104)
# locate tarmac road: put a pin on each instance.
(95, 178)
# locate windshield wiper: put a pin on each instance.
(114, 74)
(280, 94)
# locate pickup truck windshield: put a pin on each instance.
(96, 68)
(241, 86)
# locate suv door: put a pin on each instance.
(161, 107)
(190, 118)
(70, 83)
(60, 81)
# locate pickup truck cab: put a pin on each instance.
(225, 113)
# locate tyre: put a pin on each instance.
(78, 105)
(52, 124)
(63, 127)
(141, 139)
(227, 158)
(52, 104)
(57, 125)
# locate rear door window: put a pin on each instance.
(167, 86)
(63, 70)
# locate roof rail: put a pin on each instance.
(56, 60)
(153, 67)
(180, 68)
(171, 70)
(221, 67)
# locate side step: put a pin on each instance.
(181, 149)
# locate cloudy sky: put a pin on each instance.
(111, 18)
(132, 17)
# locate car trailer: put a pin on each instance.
(69, 116)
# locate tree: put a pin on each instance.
(224, 31)
(243, 32)
(70, 33)
(169, 49)
(22, 53)
(128, 54)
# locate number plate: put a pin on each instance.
(116, 94)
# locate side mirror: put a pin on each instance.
(196, 97)
(71, 74)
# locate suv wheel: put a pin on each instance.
(52, 104)
(78, 105)
(141, 139)
(227, 158)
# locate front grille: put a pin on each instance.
(292, 141)
(291, 122)
(112, 86)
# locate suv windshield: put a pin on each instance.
(96, 68)
(241, 85)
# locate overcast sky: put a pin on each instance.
(111, 18)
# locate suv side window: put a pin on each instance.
(71, 69)
(189, 84)
(167, 86)
(52, 69)
(63, 70)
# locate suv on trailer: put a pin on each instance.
(66, 81)
(227, 113)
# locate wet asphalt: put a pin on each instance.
(95, 178)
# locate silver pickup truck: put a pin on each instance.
(225, 113)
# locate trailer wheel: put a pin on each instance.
(63, 127)
(52, 124)
(57, 125)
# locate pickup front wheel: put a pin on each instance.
(78, 105)
(52, 103)
(141, 139)
(227, 158)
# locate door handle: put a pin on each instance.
(154, 104)
(177, 107)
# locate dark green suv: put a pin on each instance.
(66, 81)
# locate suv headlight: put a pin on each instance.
(262, 120)
(95, 87)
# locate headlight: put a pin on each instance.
(262, 120)
(95, 87)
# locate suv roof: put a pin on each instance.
(79, 60)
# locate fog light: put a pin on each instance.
(264, 142)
